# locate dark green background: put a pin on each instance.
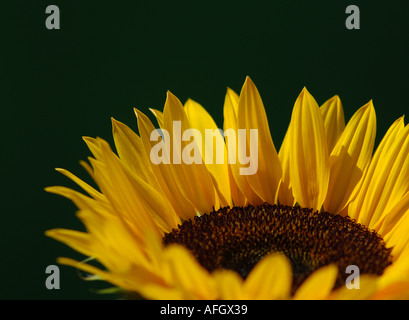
(111, 56)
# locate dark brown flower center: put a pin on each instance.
(240, 237)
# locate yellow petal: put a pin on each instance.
(285, 192)
(394, 283)
(395, 291)
(237, 196)
(318, 285)
(87, 168)
(387, 178)
(141, 202)
(84, 267)
(125, 281)
(153, 291)
(252, 117)
(238, 183)
(355, 207)
(184, 268)
(106, 239)
(158, 115)
(90, 190)
(194, 179)
(77, 240)
(214, 152)
(93, 146)
(229, 285)
(164, 173)
(270, 279)
(117, 243)
(334, 120)
(309, 163)
(351, 154)
(394, 214)
(137, 163)
(367, 287)
(79, 199)
(398, 237)
(130, 150)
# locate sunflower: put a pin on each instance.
(325, 203)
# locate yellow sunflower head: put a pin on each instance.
(192, 211)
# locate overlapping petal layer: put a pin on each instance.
(322, 164)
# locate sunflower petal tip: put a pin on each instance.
(169, 94)
(61, 260)
(402, 119)
(49, 233)
(248, 82)
(137, 112)
(51, 189)
(369, 106)
(304, 91)
(114, 123)
(171, 99)
(230, 91)
(87, 138)
(336, 98)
